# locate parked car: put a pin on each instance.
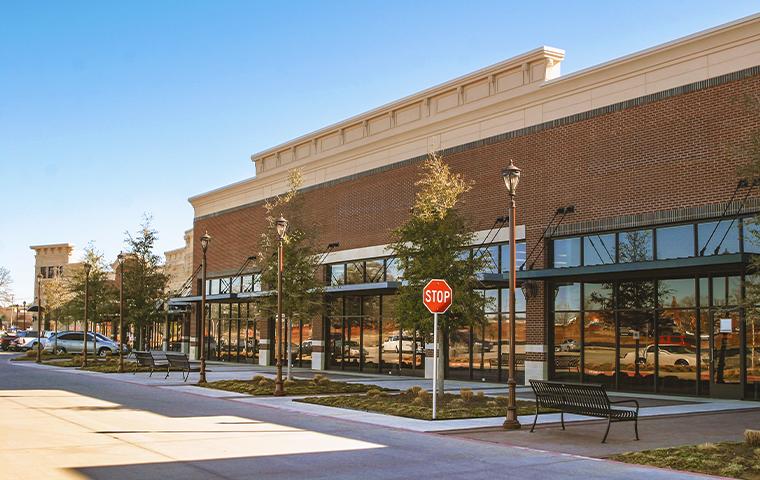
(26, 340)
(73, 342)
(6, 341)
(391, 344)
(567, 345)
(669, 354)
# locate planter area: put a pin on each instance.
(727, 459)
(259, 385)
(417, 402)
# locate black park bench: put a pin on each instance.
(181, 362)
(152, 360)
(586, 399)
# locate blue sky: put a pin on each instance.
(109, 110)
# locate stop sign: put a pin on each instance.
(437, 296)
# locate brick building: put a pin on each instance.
(632, 222)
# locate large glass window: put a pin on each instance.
(567, 331)
(599, 249)
(637, 350)
(375, 270)
(337, 274)
(751, 236)
(567, 252)
(519, 256)
(393, 271)
(675, 242)
(635, 246)
(491, 259)
(355, 272)
(677, 293)
(723, 236)
(371, 333)
(599, 343)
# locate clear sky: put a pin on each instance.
(111, 109)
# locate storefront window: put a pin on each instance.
(567, 252)
(637, 350)
(599, 249)
(567, 297)
(371, 333)
(485, 348)
(678, 293)
(491, 259)
(599, 347)
(597, 296)
(677, 350)
(675, 242)
(393, 271)
(337, 274)
(567, 331)
(711, 235)
(751, 236)
(391, 346)
(375, 270)
(519, 256)
(635, 246)
(354, 273)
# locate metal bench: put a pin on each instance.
(567, 362)
(152, 360)
(181, 362)
(583, 399)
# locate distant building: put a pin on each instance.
(52, 261)
(179, 263)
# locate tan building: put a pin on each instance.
(51, 261)
(179, 263)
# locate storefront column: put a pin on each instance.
(536, 338)
(265, 345)
(318, 357)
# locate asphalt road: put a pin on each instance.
(58, 423)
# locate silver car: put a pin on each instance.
(73, 342)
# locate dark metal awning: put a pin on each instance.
(713, 263)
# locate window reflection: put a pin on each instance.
(677, 293)
(599, 249)
(599, 347)
(675, 242)
(567, 297)
(724, 233)
(375, 270)
(519, 256)
(567, 252)
(393, 271)
(635, 246)
(637, 350)
(337, 274)
(751, 236)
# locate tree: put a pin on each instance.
(302, 290)
(56, 294)
(430, 244)
(102, 294)
(6, 295)
(145, 282)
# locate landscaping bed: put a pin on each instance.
(727, 459)
(417, 402)
(31, 356)
(259, 385)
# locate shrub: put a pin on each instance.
(263, 382)
(418, 401)
(374, 392)
(423, 395)
(752, 437)
(289, 383)
(466, 394)
(413, 391)
(32, 352)
(323, 381)
(318, 378)
(258, 378)
(480, 395)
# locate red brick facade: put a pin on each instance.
(676, 151)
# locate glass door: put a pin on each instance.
(725, 358)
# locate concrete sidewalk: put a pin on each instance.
(652, 405)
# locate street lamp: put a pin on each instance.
(39, 318)
(282, 228)
(120, 257)
(86, 304)
(205, 239)
(511, 176)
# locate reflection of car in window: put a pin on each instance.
(567, 345)
(391, 344)
(669, 354)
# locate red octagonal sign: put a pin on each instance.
(437, 296)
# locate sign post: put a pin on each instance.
(436, 296)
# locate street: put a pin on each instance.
(61, 423)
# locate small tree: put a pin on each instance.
(432, 244)
(145, 282)
(101, 290)
(6, 295)
(56, 294)
(302, 290)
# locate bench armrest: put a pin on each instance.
(626, 401)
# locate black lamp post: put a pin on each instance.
(86, 304)
(282, 228)
(39, 318)
(205, 239)
(511, 176)
(121, 312)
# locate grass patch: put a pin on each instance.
(259, 385)
(31, 356)
(727, 459)
(417, 402)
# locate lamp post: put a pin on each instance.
(86, 304)
(205, 239)
(511, 176)
(282, 228)
(121, 311)
(39, 318)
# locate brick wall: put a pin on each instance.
(676, 151)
